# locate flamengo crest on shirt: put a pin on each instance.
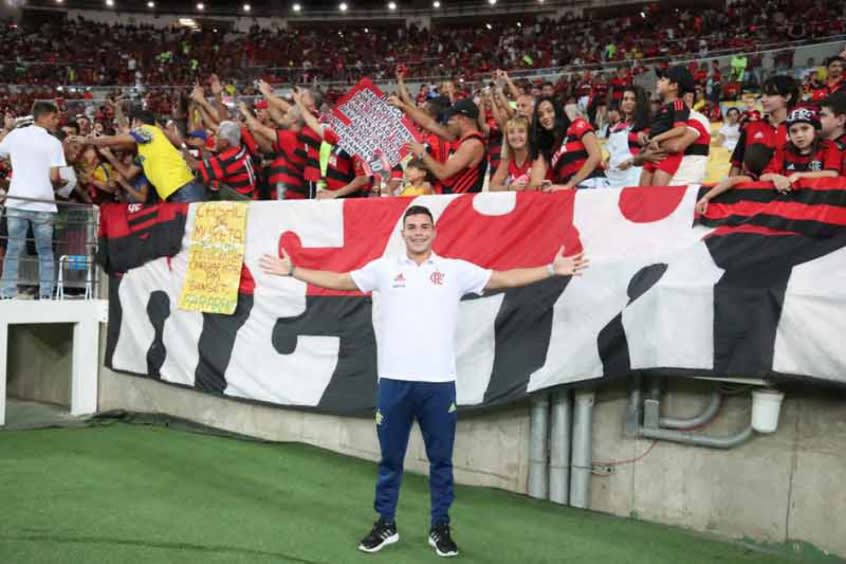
(664, 293)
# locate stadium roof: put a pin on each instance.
(279, 9)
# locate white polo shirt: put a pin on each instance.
(33, 153)
(418, 312)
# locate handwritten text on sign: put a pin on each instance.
(370, 128)
(215, 256)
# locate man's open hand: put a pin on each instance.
(569, 266)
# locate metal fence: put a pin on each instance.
(74, 252)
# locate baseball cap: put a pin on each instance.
(462, 107)
(680, 76)
(804, 115)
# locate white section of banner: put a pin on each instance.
(181, 329)
(809, 339)
(618, 248)
(257, 370)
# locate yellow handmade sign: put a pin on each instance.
(215, 255)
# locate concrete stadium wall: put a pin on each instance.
(39, 363)
(777, 488)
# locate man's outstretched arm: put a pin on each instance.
(561, 266)
(282, 266)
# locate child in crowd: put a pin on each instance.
(668, 123)
(415, 180)
(806, 155)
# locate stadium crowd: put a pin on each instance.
(72, 52)
(227, 139)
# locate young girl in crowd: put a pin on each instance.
(565, 154)
(515, 164)
(806, 155)
(624, 138)
(415, 180)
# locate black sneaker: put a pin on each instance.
(441, 541)
(381, 535)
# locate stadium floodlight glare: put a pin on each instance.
(247, 7)
(392, 6)
(492, 2)
(643, 15)
(489, 26)
(59, 1)
(296, 7)
(436, 4)
(110, 3)
(151, 4)
(200, 6)
(343, 7)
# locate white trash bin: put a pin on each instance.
(766, 405)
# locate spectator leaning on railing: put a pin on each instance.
(37, 157)
(162, 162)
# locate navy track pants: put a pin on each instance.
(433, 405)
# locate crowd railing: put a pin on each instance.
(74, 248)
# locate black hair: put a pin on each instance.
(733, 109)
(73, 125)
(42, 108)
(784, 86)
(144, 116)
(643, 108)
(834, 58)
(541, 141)
(837, 103)
(437, 106)
(417, 210)
(756, 157)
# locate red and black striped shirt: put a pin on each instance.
(702, 145)
(472, 178)
(287, 168)
(343, 169)
(572, 154)
(494, 146)
(309, 150)
(439, 149)
(788, 160)
(232, 167)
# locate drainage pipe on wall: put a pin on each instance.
(706, 416)
(581, 456)
(687, 438)
(539, 446)
(559, 447)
